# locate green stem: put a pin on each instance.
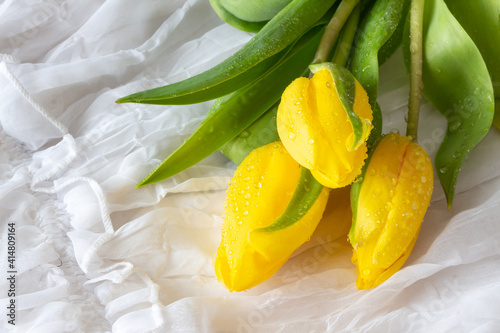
(416, 54)
(346, 38)
(332, 30)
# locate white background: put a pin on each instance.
(96, 255)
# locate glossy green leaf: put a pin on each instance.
(261, 132)
(203, 87)
(282, 31)
(376, 28)
(481, 21)
(394, 42)
(457, 83)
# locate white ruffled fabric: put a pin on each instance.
(94, 254)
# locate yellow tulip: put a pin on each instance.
(324, 123)
(258, 194)
(389, 205)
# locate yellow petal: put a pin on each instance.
(378, 189)
(370, 277)
(393, 199)
(315, 128)
(260, 190)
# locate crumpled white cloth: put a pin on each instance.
(96, 255)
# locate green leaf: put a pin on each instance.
(377, 27)
(275, 37)
(457, 83)
(481, 20)
(394, 42)
(261, 132)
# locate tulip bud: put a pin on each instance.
(324, 123)
(260, 190)
(389, 204)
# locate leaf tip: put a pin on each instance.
(122, 100)
(144, 182)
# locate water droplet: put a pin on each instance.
(454, 125)
(443, 170)
(311, 141)
(423, 179)
(367, 271)
(247, 196)
(245, 212)
(257, 185)
(291, 135)
(414, 47)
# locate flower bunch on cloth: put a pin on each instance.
(296, 108)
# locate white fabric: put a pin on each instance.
(94, 254)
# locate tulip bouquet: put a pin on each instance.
(296, 108)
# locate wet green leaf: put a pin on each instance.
(457, 83)
(247, 64)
